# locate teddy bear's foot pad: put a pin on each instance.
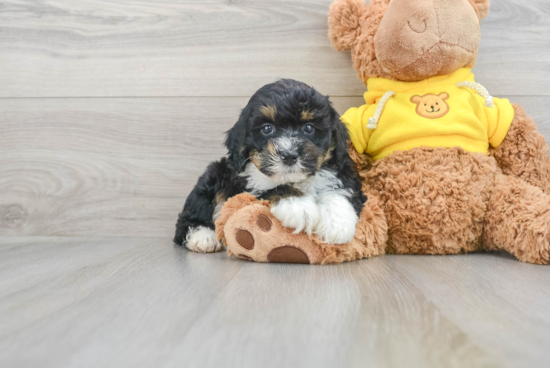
(288, 254)
(264, 223)
(245, 239)
(257, 236)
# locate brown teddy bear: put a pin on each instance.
(447, 168)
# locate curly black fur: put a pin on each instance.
(288, 106)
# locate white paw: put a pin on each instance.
(203, 240)
(337, 219)
(299, 213)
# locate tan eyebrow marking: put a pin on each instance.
(307, 115)
(269, 111)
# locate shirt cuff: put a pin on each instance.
(352, 120)
(505, 117)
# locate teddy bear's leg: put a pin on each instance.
(249, 230)
(518, 220)
(371, 236)
(524, 152)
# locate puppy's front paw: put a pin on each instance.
(337, 220)
(203, 240)
(299, 213)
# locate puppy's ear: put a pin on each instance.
(340, 138)
(235, 139)
(343, 22)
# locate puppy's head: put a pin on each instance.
(288, 131)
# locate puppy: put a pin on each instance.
(290, 148)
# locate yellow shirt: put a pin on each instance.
(432, 113)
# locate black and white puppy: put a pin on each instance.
(290, 148)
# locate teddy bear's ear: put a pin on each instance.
(444, 96)
(343, 22)
(481, 7)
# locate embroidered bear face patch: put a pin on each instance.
(431, 106)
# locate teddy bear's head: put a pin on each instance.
(407, 40)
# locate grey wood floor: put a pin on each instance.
(109, 112)
(143, 302)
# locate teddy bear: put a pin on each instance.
(446, 167)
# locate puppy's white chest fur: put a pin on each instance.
(323, 210)
(257, 182)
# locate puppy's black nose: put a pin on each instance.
(289, 159)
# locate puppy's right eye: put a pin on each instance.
(267, 129)
(309, 129)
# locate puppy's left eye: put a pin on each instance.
(309, 129)
(267, 129)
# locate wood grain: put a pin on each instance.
(117, 167)
(224, 48)
(67, 302)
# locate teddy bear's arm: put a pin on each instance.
(524, 152)
(356, 120)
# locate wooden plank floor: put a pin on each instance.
(138, 302)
